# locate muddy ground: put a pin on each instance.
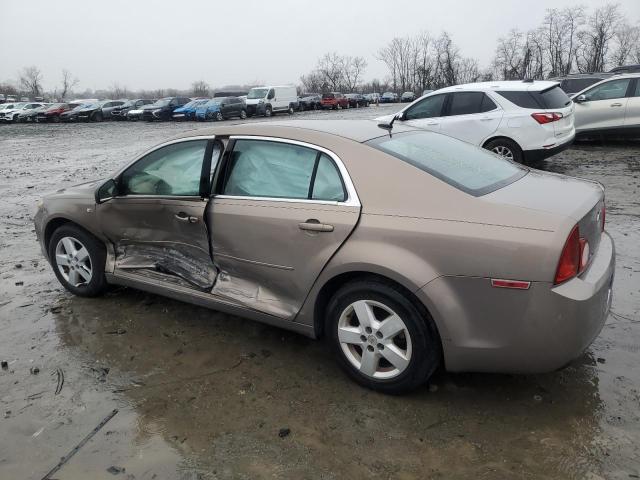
(206, 395)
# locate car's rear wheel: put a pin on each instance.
(380, 338)
(78, 259)
(505, 148)
(219, 117)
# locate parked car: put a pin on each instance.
(426, 92)
(10, 114)
(408, 97)
(372, 97)
(30, 115)
(99, 111)
(389, 97)
(468, 261)
(188, 111)
(525, 121)
(609, 106)
(269, 100)
(310, 101)
(626, 69)
(11, 99)
(73, 114)
(356, 100)
(135, 114)
(221, 108)
(163, 109)
(120, 112)
(52, 114)
(2, 98)
(334, 100)
(576, 82)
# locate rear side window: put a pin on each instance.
(466, 167)
(465, 103)
(259, 168)
(553, 97)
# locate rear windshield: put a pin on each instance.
(464, 166)
(552, 97)
(328, 95)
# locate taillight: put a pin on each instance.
(569, 263)
(546, 117)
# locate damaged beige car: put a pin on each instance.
(407, 250)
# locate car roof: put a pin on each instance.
(508, 85)
(356, 130)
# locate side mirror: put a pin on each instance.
(401, 116)
(580, 98)
(106, 191)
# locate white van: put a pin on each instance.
(269, 100)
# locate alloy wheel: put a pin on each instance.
(73, 261)
(503, 151)
(374, 339)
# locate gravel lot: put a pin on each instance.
(206, 395)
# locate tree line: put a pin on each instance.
(568, 40)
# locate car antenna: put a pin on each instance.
(388, 126)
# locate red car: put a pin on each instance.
(334, 100)
(52, 114)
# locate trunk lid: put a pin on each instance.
(580, 200)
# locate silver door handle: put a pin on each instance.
(432, 123)
(485, 119)
(315, 226)
(183, 217)
(616, 104)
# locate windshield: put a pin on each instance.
(462, 165)
(257, 93)
(212, 102)
(387, 94)
(163, 102)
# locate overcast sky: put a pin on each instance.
(145, 44)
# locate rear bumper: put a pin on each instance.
(486, 329)
(542, 153)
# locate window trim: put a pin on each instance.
(351, 200)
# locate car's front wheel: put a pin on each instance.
(381, 339)
(243, 114)
(505, 148)
(78, 260)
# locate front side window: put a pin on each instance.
(637, 92)
(609, 90)
(466, 167)
(259, 168)
(174, 170)
(428, 108)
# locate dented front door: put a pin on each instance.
(156, 221)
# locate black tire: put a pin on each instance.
(97, 117)
(268, 112)
(291, 111)
(56, 119)
(500, 144)
(243, 114)
(218, 117)
(97, 255)
(425, 341)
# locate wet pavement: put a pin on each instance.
(204, 395)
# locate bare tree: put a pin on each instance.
(353, 69)
(200, 89)
(558, 37)
(313, 83)
(68, 82)
(626, 39)
(31, 80)
(595, 39)
(330, 68)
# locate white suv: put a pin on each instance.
(525, 121)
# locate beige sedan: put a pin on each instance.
(406, 250)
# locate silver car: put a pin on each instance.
(405, 249)
(609, 106)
